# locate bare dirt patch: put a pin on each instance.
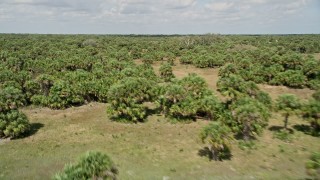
(275, 91)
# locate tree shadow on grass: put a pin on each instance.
(280, 128)
(152, 111)
(305, 129)
(205, 152)
(34, 128)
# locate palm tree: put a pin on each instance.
(127, 97)
(311, 112)
(210, 106)
(287, 104)
(251, 116)
(219, 138)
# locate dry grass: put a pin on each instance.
(156, 149)
(151, 150)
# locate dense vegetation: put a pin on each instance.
(60, 71)
(93, 165)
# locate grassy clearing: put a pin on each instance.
(156, 149)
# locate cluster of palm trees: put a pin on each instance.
(247, 110)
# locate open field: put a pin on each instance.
(156, 149)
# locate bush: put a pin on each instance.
(311, 112)
(148, 59)
(314, 84)
(236, 87)
(283, 135)
(291, 78)
(62, 96)
(201, 61)
(184, 99)
(127, 97)
(11, 98)
(219, 138)
(227, 70)
(186, 59)
(316, 95)
(210, 107)
(31, 88)
(93, 165)
(166, 72)
(13, 124)
(313, 165)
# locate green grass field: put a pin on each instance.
(157, 149)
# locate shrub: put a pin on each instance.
(218, 137)
(93, 165)
(166, 72)
(313, 165)
(291, 78)
(235, 87)
(209, 106)
(31, 88)
(201, 61)
(127, 97)
(186, 59)
(227, 70)
(11, 98)
(283, 135)
(314, 84)
(13, 124)
(148, 59)
(316, 95)
(185, 98)
(311, 112)
(45, 82)
(62, 95)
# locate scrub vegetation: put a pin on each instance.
(186, 107)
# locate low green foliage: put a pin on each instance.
(247, 145)
(311, 112)
(235, 87)
(283, 135)
(93, 165)
(313, 165)
(291, 78)
(11, 98)
(13, 124)
(166, 72)
(127, 97)
(184, 99)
